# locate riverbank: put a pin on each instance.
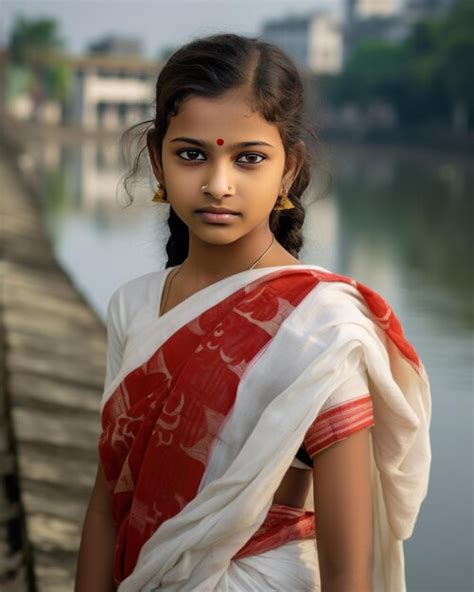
(52, 367)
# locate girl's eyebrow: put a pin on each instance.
(204, 144)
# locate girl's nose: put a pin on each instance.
(218, 184)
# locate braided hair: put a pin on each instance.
(208, 67)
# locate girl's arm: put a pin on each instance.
(94, 571)
(343, 508)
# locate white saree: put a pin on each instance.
(324, 341)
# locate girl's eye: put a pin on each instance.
(251, 154)
(190, 152)
(254, 154)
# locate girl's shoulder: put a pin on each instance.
(136, 298)
(348, 288)
(139, 285)
(351, 304)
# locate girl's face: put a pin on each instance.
(204, 146)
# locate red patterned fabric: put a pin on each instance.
(162, 420)
(339, 423)
(281, 525)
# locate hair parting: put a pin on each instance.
(210, 66)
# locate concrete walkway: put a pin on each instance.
(52, 368)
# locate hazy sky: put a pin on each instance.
(157, 23)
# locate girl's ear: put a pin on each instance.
(293, 166)
(153, 152)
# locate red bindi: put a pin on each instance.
(219, 141)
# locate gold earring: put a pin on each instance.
(284, 203)
(160, 195)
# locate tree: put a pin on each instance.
(373, 72)
(31, 38)
(36, 49)
(428, 78)
(455, 59)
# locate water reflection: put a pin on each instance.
(417, 205)
(398, 221)
(409, 209)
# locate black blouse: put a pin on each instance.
(304, 457)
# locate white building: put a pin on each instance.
(111, 91)
(369, 8)
(314, 41)
(410, 10)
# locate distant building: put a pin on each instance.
(390, 20)
(411, 9)
(116, 45)
(390, 28)
(111, 91)
(113, 86)
(313, 41)
(380, 8)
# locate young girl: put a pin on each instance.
(265, 424)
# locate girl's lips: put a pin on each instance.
(213, 217)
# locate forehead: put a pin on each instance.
(228, 117)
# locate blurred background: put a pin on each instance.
(391, 83)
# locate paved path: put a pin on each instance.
(52, 368)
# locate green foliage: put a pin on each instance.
(17, 80)
(36, 49)
(456, 52)
(374, 71)
(423, 77)
(58, 81)
(33, 37)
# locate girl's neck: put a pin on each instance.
(202, 271)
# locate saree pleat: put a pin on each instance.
(289, 566)
(205, 416)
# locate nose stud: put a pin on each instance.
(204, 187)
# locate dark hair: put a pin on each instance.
(208, 67)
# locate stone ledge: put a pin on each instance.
(52, 368)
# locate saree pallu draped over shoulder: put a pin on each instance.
(212, 402)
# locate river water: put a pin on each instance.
(398, 220)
